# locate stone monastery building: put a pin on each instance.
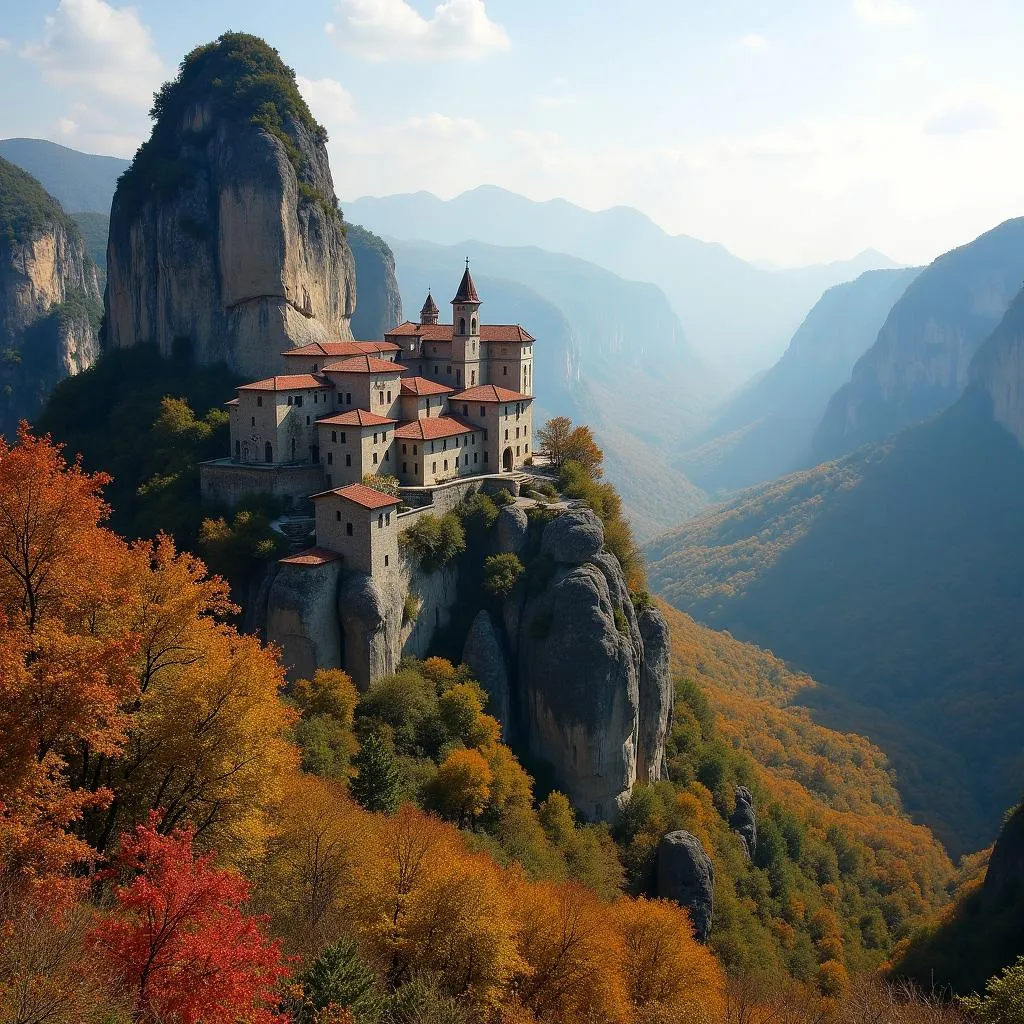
(429, 404)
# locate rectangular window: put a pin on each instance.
(348, 397)
(380, 520)
(289, 399)
(433, 467)
(414, 451)
(465, 410)
(517, 451)
(485, 435)
(337, 515)
(449, 370)
(348, 458)
(405, 467)
(386, 557)
(298, 400)
(506, 433)
(475, 454)
(465, 459)
(380, 398)
(254, 421)
(485, 456)
(517, 432)
(375, 437)
(334, 436)
(387, 518)
(330, 458)
(375, 458)
(389, 396)
(307, 421)
(405, 449)
(387, 455)
(259, 400)
(483, 410)
(504, 371)
(446, 464)
(415, 468)
(348, 527)
(343, 437)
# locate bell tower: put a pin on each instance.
(429, 312)
(466, 333)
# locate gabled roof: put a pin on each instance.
(359, 494)
(287, 382)
(434, 428)
(421, 386)
(430, 306)
(443, 332)
(312, 556)
(467, 290)
(233, 401)
(341, 349)
(364, 364)
(490, 393)
(356, 418)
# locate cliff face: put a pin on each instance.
(920, 362)
(380, 302)
(224, 233)
(49, 298)
(999, 370)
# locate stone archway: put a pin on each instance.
(506, 460)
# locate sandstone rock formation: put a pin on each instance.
(380, 302)
(655, 696)
(484, 654)
(49, 297)
(743, 820)
(687, 876)
(225, 237)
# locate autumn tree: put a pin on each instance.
(325, 733)
(553, 438)
(462, 787)
(183, 947)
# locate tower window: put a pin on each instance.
(462, 325)
(348, 528)
(473, 322)
(348, 459)
(337, 516)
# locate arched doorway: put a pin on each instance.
(506, 460)
(268, 452)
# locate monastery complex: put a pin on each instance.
(429, 404)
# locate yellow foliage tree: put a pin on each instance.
(462, 786)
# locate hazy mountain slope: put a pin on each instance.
(81, 182)
(609, 353)
(893, 576)
(94, 228)
(765, 430)
(919, 363)
(735, 314)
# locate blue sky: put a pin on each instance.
(792, 131)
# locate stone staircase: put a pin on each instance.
(297, 530)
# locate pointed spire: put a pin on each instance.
(467, 290)
(429, 312)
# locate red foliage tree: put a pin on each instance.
(182, 944)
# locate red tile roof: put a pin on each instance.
(341, 349)
(429, 306)
(443, 332)
(364, 364)
(312, 556)
(422, 386)
(233, 401)
(356, 418)
(490, 393)
(467, 290)
(287, 382)
(360, 494)
(434, 428)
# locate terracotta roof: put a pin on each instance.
(363, 364)
(490, 393)
(467, 290)
(434, 428)
(286, 382)
(341, 349)
(360, 494)
(233, 401)
(443, 332)
(422, 386)
(356, 418)
(312, 556)
(430, 306)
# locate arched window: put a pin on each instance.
(474, 325)
(462, 325)
(268, 452)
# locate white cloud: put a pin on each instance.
(383, 29)
(88, 44)
(964, 118)
(885, 12)
(329, 101)
(755, 42)
(5, 44)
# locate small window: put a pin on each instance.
(506, 433)
(375, 437)
(334, 436)
(348, 529)
(415, 449)
(483, 410)
(389, 396)
(348, 397)
(462, 325)
(387, 455)
(405, 449)
(504, 371)
(330, 458)
(485, 435)
(348, 458)
(386, 557)
(289, 399)
(375, 458)
(433, 467)
(465, 410)
(337, 516)
(380, 398)
(298, 400)
(446, 464)
(254, 421)
(517, 451)
(475, 454)
(343, 437)
(473, 325)
(380, 521)
(415, 467)
(449, 370)
(405, 467)
(307, 421)
(259, 400)
(465, 459)
(485, 456)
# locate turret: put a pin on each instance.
(466, 332)
(429, 312)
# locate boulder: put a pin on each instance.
(744, 820)
(656, 696)
(484, 655)
(511, 528)
(686, 876)
(302, 618)
(574, 537)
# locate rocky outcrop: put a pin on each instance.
(687, 877)
(484, 654)
(380, 302)
(225, 237)
(998, 370)
(743, 820)
(919, 364)
(655, 696)
(49, 297)
(579, 658)
(511, 525)
(302, 619)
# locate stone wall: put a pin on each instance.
(227, 483)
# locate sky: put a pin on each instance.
(790, 131)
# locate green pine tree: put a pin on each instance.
(376, 782)
(340, 978)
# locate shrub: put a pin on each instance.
(434, 542)
(621, 622)
(504, 497)
(411, 607)
(501, 574)
(383, 483)
(478, 509)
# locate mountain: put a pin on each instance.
(764, 431)
(919, 363)
(736, 315)
(893, 576)
(81, 182)
(610, 352)
(378, 302)
(49, 297)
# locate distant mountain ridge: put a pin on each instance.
(893, 576)
(736, 315)
(765, 430)
(81, 182)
